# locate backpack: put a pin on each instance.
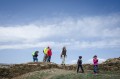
(79, 62)
(33, 53)
(45, 50)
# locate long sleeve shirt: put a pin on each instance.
(95, 61)
(49, 53)
(79, 62)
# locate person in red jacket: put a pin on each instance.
(49, 54)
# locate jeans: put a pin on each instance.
(35, 59)
(49, 58)
(63, 59)
(80, 66)
(95, 68)
(45, 57)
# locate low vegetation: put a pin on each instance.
(88, 75)
(110, 69)
(65, 74)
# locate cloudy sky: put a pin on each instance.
(85, 27)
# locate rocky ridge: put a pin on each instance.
(10, 71)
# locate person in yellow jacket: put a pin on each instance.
(45, 54)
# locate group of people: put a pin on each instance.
(95, 62)
(48, 53)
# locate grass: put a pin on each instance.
(63, 74)
(103, 75)
(85, 76)
(38, 75)
(33, 75)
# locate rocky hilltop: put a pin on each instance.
(10, 71)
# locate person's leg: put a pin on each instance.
(49, 58)
(77, 68)
(82, 68)
(33, 59)
(44, 58)
(63, 59)
(94, 69)
(36, 59)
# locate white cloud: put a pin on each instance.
(27, 33)
(72, 62)
(34, 45)
(90, 61)
(100, 60)
(71, 45)
(94, 44)
(103, 30)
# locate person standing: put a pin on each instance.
(95, 62)
(49, 54)
(63, 55)
(35, 55)
(79, 63)
(45, 54)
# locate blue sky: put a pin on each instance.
(85, 27)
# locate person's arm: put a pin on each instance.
(48, 52)
(37, 54)
(93, 61)
(66, 54)
(81, 62)
(51, 52)
(96, 60)
(61, 55)
(78, 62)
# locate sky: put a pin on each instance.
(85, 27)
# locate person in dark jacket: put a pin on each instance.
(79, 64)
(35, 55)
(63, 55)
